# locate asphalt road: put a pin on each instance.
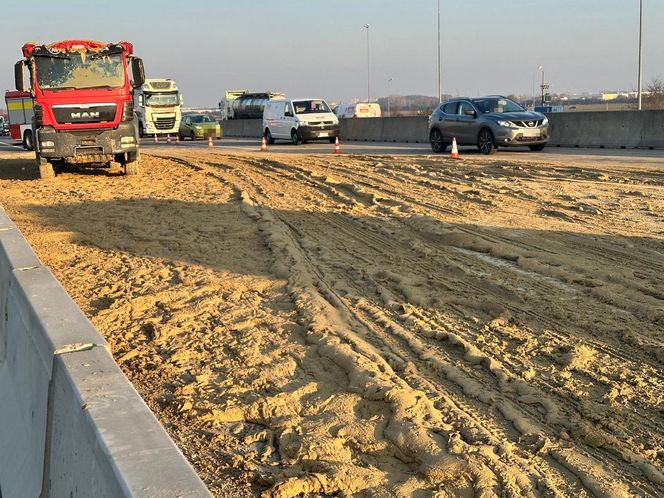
(645, 157)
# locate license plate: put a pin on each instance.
(323, 134)
(531, 133)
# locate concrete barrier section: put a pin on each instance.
(71, 424)
(242, 127)
(613, 129)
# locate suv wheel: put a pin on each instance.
(486, 143)
(537, 147)
(437, 142)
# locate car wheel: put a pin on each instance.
(268, 136)
(437, 141)
(486, 143)
(192, 135)
(27, 140)
(537, 147)
(295, 137)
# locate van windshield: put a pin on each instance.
(310, 106)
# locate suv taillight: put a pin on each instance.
(128, 111)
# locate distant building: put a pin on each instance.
(607, 96)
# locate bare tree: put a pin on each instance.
(653, 97)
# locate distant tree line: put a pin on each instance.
(654, 98)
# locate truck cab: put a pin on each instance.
(81, 92)
(157, 104)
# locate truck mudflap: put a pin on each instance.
(87, 145)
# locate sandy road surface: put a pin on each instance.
(376, 326)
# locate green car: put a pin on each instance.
(199, 126)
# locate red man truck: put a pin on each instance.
(82, 103)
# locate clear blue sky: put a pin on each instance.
(317, 48)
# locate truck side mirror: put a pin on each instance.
(140, 100)
(181, 99)
(137, 72)
(19, 70)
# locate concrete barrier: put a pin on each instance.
(400, 129)
(242, 127)
(71, 424)
(612, 129)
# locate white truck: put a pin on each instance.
(226, 104)
(157, 105)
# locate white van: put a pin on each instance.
(299, 120)
(359, 110)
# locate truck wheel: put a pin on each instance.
(45, 168)
(131, 165)
(28, 144)
(132, 169)
(141, 131)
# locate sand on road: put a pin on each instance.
(376, 326)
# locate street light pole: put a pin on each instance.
(368, 67)
(640, 50)
(388, 96)
(539, 68)
(440, 87)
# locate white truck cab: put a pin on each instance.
(157, 105)
(299, 120)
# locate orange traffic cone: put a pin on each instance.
(210, 144)
(337, 148)
(177, 139)
(156, 140)
(263, 144)
(455, 150)
(168, 138)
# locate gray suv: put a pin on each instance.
(488, 123)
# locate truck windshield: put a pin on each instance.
(79, 70)
(310, 106)
(159, 99)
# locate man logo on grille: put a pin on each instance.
(79, 115)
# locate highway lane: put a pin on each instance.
(644, 157)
